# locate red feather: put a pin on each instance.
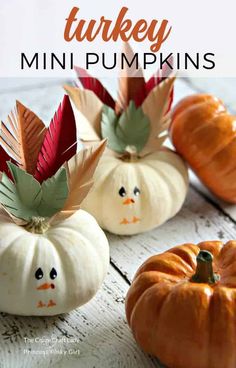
(95, 85)
(140, 96)
(59, 143)
(4, 158)
(159, 77)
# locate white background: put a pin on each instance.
(38, 26)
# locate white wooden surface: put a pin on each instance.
(99, 330)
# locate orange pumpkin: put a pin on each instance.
(181, 306)
(204, 133)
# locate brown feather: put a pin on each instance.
(22, 137)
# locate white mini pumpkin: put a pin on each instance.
(139, 184)
(53, 255)
(53, 272)
(133, 197)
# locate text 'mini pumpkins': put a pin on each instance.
(204, 133)
(53, 255)
(181, 306)
(139, 184)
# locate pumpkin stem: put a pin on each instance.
(37, 225)
(130, 154)
(204, 272)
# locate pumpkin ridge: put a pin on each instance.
(210, 326)
(186, 103)
(170, 265)
(226, 251)
(93, 250)
(185, 255)
(210, 153)
(165, 162)
(222, 148)
(231, 170)
(176, 290)
(74, 230)
(135, 293)
(58, 246)
(157, 321)
(62, 254)
(166, 183)
(171, 187)
(198, 128)
(210, 158)
(139, 305)
(227, 270)
(221, 297)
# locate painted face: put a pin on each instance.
(129, 198)
(46, 285)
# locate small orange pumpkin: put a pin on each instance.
(181, 306)
(204, 133)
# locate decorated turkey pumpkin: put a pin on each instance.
(181, 306)
(53, 255)
(139, 184)
(203, 132)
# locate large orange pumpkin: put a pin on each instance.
(204, 133)
(181, 306)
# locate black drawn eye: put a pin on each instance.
(39, 274)
(136, 191)
(122, 192)
(53, 273)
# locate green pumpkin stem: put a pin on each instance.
(37, 225)
(204, 272)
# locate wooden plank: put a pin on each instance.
(42, 100)
(98, 330)
(104, 337)
(197, 221)
(22, 84)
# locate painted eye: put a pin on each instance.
(122, 192)
(53, 273)
(136, 191)
(39, 274)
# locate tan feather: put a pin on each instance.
(131, 80)
(90, 106)
(155, 106)
(80, 169)
(22, 137)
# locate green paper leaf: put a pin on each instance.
(22, 197)
(131, 128)
(25, 197)
(54, 194)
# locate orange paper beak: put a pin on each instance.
(46, 286)
(129, 201)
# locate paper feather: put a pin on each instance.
(80, 170)
(21, 136)
(59, 143)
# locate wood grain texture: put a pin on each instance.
(100, 329)
(104, 339)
